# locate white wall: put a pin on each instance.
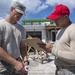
(37, 28)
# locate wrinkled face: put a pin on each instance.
(61, 21)
(16, 16)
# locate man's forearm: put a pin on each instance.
(6, 57)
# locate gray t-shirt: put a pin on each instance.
(11, 37)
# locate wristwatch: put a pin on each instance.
(26, 61)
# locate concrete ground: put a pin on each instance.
(36, 68)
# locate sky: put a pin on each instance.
(37, 9)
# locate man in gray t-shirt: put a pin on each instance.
(11, 45)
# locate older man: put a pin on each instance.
(11, 45)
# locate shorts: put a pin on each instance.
(7, 69)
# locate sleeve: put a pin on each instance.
(23, 37)
(0, 38)
(24, 34)
(0, 34)
(69, 53)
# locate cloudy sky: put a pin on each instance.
(37, 9)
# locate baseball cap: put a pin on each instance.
(19, 7)
(59, 10)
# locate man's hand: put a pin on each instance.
(19, 66)
(47, 47)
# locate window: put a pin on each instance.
(53, 35)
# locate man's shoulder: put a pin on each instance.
(72, 26)
(20, 26)
(2, 20)
(2, 23)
